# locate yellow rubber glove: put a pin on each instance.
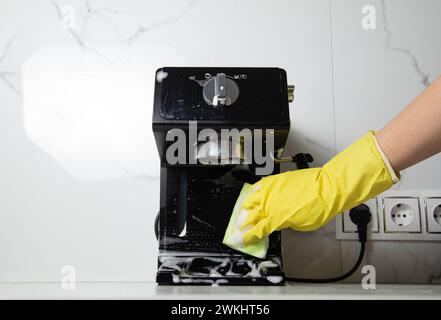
(307, 199)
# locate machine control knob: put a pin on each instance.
(220, 90)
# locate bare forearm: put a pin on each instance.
(415, 133)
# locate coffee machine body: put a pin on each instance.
(199, 188)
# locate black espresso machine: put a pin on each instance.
(197, 195)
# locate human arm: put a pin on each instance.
(307, 199)
(415, 133)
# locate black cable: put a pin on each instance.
(339, 278)
(360, 216)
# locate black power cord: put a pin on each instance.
(360, 216)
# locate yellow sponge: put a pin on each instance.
(233, 235)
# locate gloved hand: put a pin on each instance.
(307, 199)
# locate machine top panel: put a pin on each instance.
(246, 95)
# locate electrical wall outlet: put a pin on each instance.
(402, 214)
(349, 226)
(398, 215)
(433, 214)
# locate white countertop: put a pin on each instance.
(148, 290)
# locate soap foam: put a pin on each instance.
(234, 235)
(243, 215)
(237, 235)
(181, 274)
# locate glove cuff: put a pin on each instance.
(395, 177)
(356, 174)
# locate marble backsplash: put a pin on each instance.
(79, 169)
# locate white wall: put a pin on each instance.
(376, 73)
(79, 169)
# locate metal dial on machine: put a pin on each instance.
(219, 90)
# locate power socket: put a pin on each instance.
(402, 214)
(433, 215)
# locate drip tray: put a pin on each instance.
(219, 270)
